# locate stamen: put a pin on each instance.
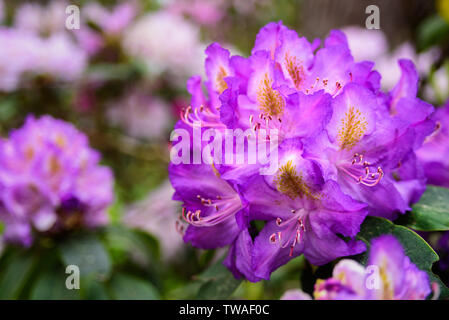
(295, 70)
(220, 83)
(291, 184)
(203, 115)
(225, 207)
(317, 80)
(270, 100)
(337, 88)
(293, 228)
(352, 129)
(266, 121)
(361, 171)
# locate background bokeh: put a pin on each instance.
(120, 79)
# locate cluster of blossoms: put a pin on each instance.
(390, 275)
(346, 150)
(26, 54)
(50, 181)
(165, 41)
(38, 44)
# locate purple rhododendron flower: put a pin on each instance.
(213, 208)
(434, 154)
(345, 150)
(50, 181)
(392, 276)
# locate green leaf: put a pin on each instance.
(126, 287)
(124, 241)
(94, 290)
(86, 251)
(17, 268)
(432, 31)
(51, 286)
(431, 213)
(418, 250)
(218, 283)
(109, 71)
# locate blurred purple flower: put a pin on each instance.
(40, 19)
(111, 25)
(389, 275)
(136, 113)
(50, 181)
(112, 21)
(205, 12)
(166, 43)
(26, 54)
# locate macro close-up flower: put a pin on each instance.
(346, 148)
(256, 150)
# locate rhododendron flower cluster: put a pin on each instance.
(27, 54)
(389, 275)
(50, 181)
(146, 39)
(346, 150)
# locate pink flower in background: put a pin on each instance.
(366, 44)
(16, 56)
(387, 64)
(110, 21)
(90, 41)
(60, 57)
(157, 214)
(24, 53)
(373, 45)
(41, 19)
(166, 43)
(205, 12)
(136, 114)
